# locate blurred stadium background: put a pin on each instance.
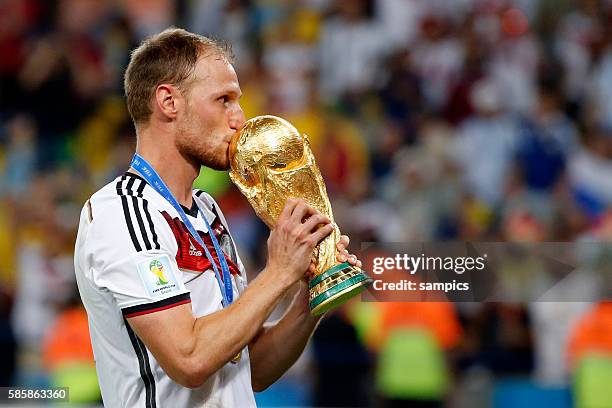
(479, 120)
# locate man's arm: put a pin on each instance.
(276, 348)
(190, 350)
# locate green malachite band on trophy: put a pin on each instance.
(358, 283)
(327, 274)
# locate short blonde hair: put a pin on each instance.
(168, 57)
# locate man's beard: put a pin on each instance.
(195, 152)
(215, 162)
(194, 148)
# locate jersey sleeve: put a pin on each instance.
(132, 251)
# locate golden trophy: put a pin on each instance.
(271, 162)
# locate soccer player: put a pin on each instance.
(171, 318)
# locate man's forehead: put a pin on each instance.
(214, 65)
(215, 74)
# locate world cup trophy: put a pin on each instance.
(270, 162)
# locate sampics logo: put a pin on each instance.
(157, 268)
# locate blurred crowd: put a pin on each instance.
(472, 120)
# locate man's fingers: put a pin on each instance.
(322, 232)
(301, 211)
(311, 269)
(315, 220)
(344, 256)
(288, 208)
(343, 243)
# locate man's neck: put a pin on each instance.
(176, 172)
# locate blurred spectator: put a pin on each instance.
(289, 59)
(402, 96)
(553, 322)
(415, 335)
(590, 355)
(8, 343)
(515, 60)
(149, 17)
(20, 162)
(547, 140)
(342, 155)
(45, 277)
(437, 59)
(590, 172)
(17, 17)
(600, 86)
(499, 338)
(415, 189)
(459, 105)
(230, 20)
(352, 46)
(68, 355)
(486, 144)
(577, 33)
(342, 365)
(401, 20)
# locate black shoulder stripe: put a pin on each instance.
(143, 231)
(89, 211)
(135, 203)
(141, 188)
(143, 235)
(119, 185)
(130, 184)
(130, 174)
(126, 214)
(145, 205)
(199, 193)
(144, 366)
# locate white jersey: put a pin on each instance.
(134, 256)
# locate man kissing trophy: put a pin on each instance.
(270, 162)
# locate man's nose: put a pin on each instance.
(236, 119)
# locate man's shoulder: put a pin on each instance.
(126, 217)
(201, 193)
(125, 188)
(206, 199)
(106, 198)
(209, 203)
(127, 199)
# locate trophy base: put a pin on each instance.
(335, 286)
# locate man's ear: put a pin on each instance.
(168, 100)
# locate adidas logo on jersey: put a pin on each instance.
(193, 251)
